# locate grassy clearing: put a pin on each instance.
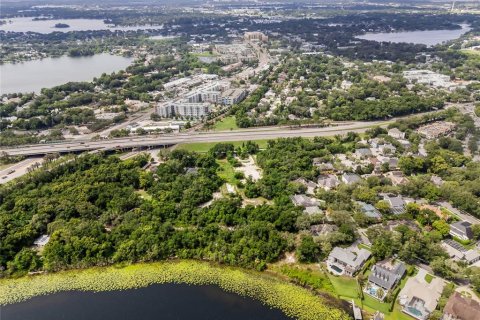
(312, 277)
(346, 288)
(293, 300)
(204, 54)
(429, 278)
(227, 172)
(203, 147)
(5, 166)
(227, 123)
(144, 195)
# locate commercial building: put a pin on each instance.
(259, 36)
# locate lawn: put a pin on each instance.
(227, 123)
(203, 147)
(346, 289)
(144, 195)
(227, 172)
(204, 54)
(429, 278)
(5, 166)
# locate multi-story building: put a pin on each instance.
(182, 108)
(233, 96)
(256, 35)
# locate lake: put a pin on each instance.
(32, 76)
(429, 37)
(164, 301)
(47, 26)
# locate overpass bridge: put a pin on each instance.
(76, 146)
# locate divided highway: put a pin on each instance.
(172, 139)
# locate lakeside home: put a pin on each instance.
(384, 277)
(347, 261)
(419, 298)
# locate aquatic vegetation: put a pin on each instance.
(293, 300)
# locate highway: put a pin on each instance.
(68, 146)
(18, 169)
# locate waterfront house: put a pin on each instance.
(419, 298)
(384, 277)
(346, 261)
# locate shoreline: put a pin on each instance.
(293, 300)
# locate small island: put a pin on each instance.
(61, 25)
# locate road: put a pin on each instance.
(172, 139)
(462, 215)
(19, 169)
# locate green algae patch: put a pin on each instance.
(293, 300)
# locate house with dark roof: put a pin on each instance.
(396, 203)
(384, 277)
(369, 210)
(461, 230)
(461, 308)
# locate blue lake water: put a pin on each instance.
(32, 76)
(47, 26)
(162, 302)
(429, 37)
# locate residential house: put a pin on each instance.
(346, 261)
(385, 275)
(328, 181)
(420, 298)
(312, 210)
(397, 178)
(404, 143)
(395, 133)
(461, 230)
(396, 203)
(350, 178)
(369, 210)
(41, 241)
(311, 186)
(324, 166)
(363, 153)
(322, 229)
(458, 252)
(461, 308)
(302, 200)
